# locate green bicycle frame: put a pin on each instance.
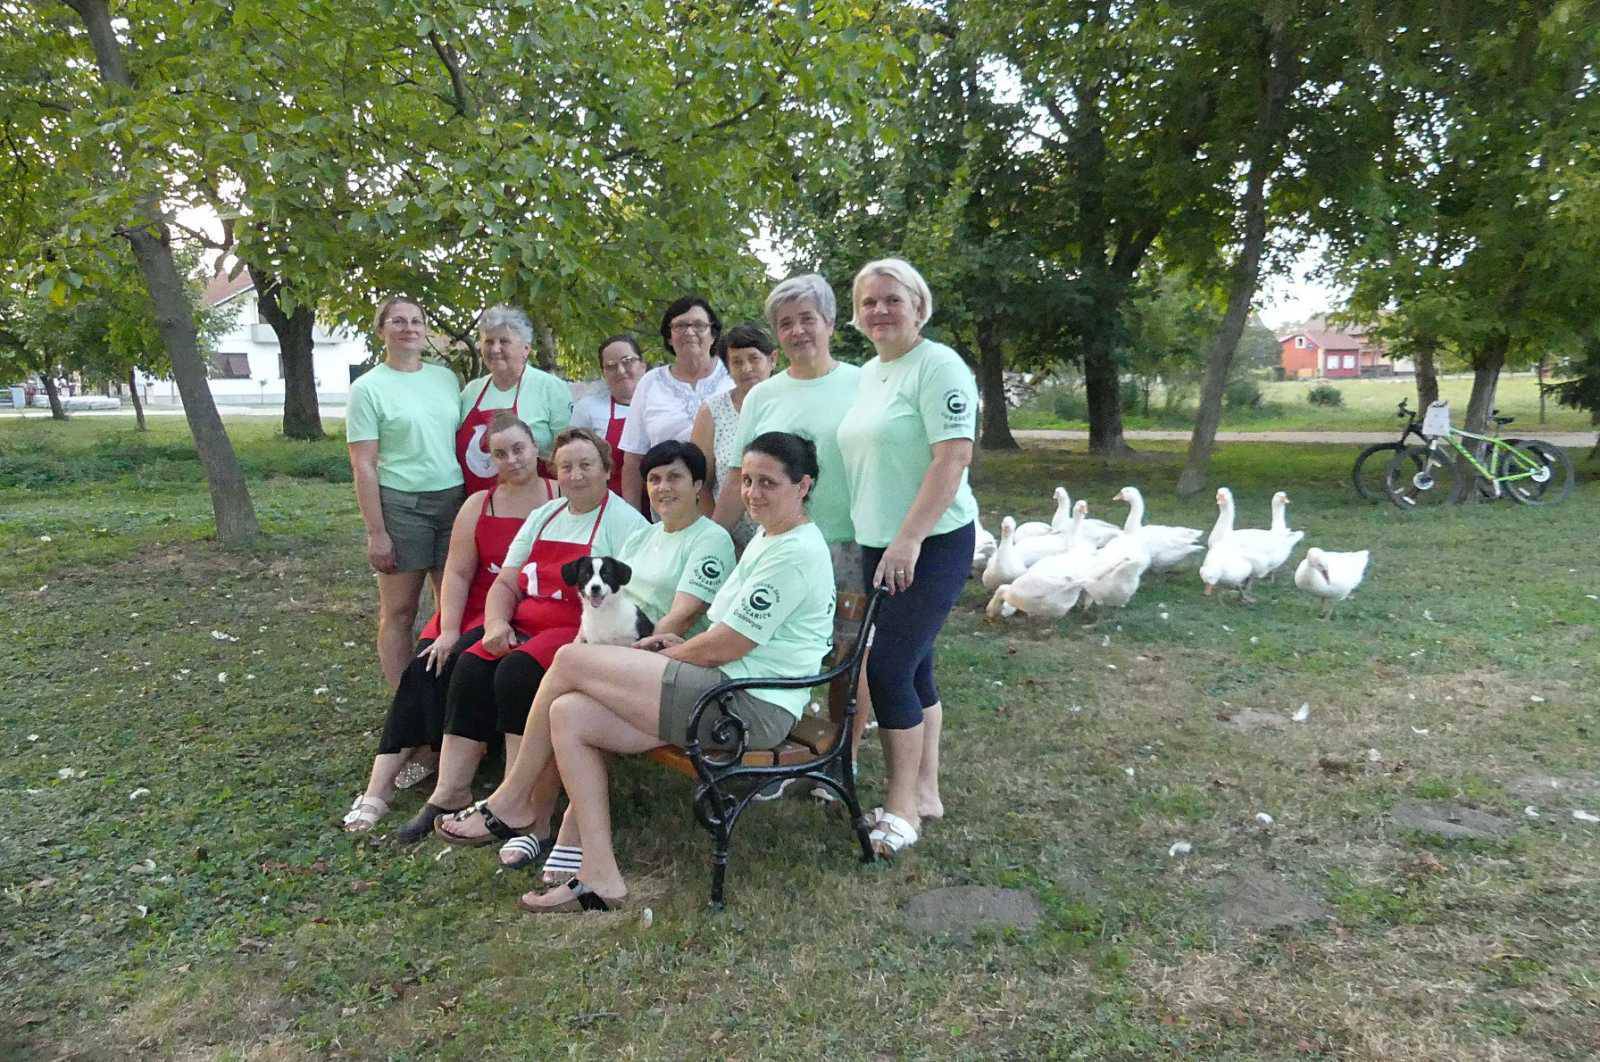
(1527, 467)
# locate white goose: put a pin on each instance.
(1059, 522)
(1114, 574)
(1012, 558)
(1331, 576)
(1097, 532)
(983, 548)
(1052, 586)
(1238, 558)
(1168, 546)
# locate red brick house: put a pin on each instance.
(1316, 350)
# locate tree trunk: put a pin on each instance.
(138, 403)
(1264, 153)
(1539, 370)
(57, 410)
(1485, 378)
(1427, 377)
(996, 433)
(230, 499)
(1102, 389)
(546, 340)
(296, 346)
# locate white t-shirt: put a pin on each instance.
(593, 411)
(664, 406)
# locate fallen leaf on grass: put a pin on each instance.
(1179, 848)
(1531, 811)
(144, 866)
(137, 793)
(363, 886)
(223, 636)
(1584, 816)
(1302, 713)
(249, 945)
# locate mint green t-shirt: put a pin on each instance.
(781, 597)
(694, 561)
(812, 408)
(544, 403)
(619, 521)
(925, 396)
(413, 418)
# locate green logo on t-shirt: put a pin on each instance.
(955, 403)
(711, 569)
(761, 601)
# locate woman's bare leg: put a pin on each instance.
(380, 783)
(458, 762)
(397, 611)
(583, 730)
(929, 804)
(630, 679)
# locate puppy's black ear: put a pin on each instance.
(572, 572)
(624, 573)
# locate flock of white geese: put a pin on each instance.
(1044, 570)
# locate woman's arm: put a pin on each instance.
(498, 608)
(632, 482)
(938, 489)
(704, 435)
(364, 467)
(459, 565)
(686, 608)
(718, 646)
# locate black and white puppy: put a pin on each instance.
(609, 618)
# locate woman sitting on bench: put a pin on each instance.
(772, 618)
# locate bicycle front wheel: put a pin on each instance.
(1371, 468)
(1551, 481)
(1420, 478)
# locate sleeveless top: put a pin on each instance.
(724, 433)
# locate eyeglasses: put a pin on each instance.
(414, 322)
(621, 366)
(684, 328)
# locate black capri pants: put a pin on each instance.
(416, 716)
(488, 698)
(900, 667)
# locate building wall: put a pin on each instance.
(333, 356)
(1298, 362)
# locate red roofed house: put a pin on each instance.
(1316, 350)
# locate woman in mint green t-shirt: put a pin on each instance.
(401, 425)
(907, 442)
(773, 617)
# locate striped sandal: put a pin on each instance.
(563, 863)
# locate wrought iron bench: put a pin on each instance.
(820, 750)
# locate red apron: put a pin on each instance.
(614, 437)
(548, 615)
(493, 535)
(472, 442)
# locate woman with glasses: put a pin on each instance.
(538, 399)
(668, 397)
(400, 425)
(605, 410)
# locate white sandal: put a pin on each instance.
(563, 863)
(364, 814)
(413, 773)
(891, 835)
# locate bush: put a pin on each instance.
(1325, 395)
(1069, 404)
(1132, 395)
(1243, 393)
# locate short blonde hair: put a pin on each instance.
(572, 435)
(904, 274)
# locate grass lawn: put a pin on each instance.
(221, 913)
(1369, 405)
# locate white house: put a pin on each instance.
(246, 368)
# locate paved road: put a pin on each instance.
(1560, 438)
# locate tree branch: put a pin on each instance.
(464, 104)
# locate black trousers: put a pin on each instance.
(416, 717)
(488, 698)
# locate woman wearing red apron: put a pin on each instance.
(544, 403)
(529, 613)
(482, 532)
(605, 412)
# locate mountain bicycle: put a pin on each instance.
(1372, 464)
(1530, 471)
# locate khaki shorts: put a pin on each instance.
(419, 525)
(682, 684)
(846, 567)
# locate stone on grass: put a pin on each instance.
(1451, 821)
(1259, 899)
(962, 910)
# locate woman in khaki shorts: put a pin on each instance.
(401, 427)
(771, 618)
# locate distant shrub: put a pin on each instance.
(1242, 394)
(1132, 395)
(1325, 395)
(1069, 404)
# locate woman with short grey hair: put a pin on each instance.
(539, 400)
(809, 399)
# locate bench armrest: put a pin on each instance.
(730, 729)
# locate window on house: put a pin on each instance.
(1300, 342)
(230, 367)
(1349, 361)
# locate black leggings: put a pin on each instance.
(416, 716)
(490, 697)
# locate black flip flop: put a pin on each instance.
(421, 824)
(498, 829)
(584, 901)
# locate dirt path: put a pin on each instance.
(1568, 439)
